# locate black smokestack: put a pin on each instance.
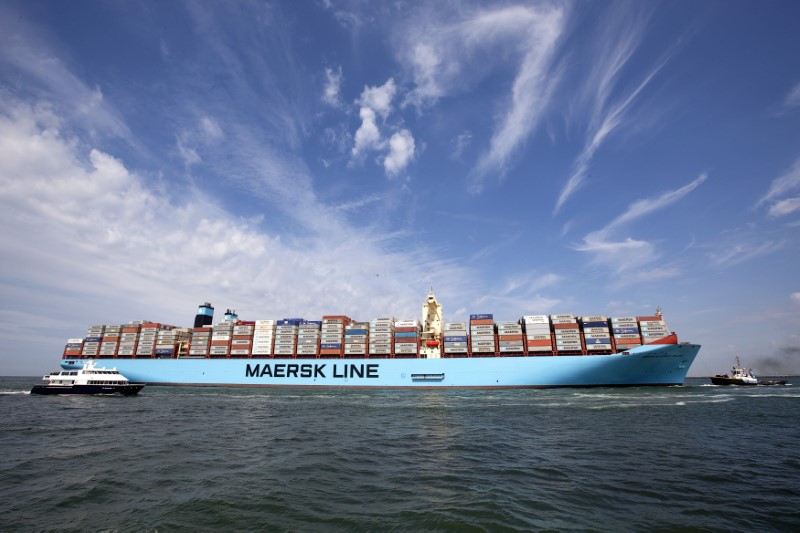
(205, 314)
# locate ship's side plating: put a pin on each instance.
(664, 364)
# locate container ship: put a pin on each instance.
(535, 351)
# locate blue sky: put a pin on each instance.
(332, 157)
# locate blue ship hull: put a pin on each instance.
(655, 364)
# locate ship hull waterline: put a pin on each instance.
(649, 365)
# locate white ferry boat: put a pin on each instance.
(90, 379)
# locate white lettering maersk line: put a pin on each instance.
(536, 351)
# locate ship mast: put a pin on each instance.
(432, 324)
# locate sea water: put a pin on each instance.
(698, 457)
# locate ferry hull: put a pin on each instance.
(125, 390)
(648, 365)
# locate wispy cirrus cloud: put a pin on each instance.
(735, 253)
(27, 52)
(445, 55)
(778, 196)
(792, 99)
(629, 254)
(624, 32)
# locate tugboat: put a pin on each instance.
(738, 376)
(88, 380)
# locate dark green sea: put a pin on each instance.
(694, 458)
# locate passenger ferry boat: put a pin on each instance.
(90, 379)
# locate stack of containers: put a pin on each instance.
(538, 336)
(626, 333)
(308, 339)
(355, 339)
(406, 338)
(128, 340)
(110, 342)
(381, 331)
(454, 339)
(94, 336)
(166, 339)
(201, 342)
(221, 335)
(596, 334)
(653, 328)
(263, 337)
(148, 334)
(286, 337)
(73, 348)
(509, 338)
(481, 334)
(567, 334)
(242, 340)
(332, 339)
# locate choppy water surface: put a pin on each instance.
(641, 459)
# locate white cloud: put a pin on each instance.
(795, 296)
(785, 207)
(736, 253)
(379, 99)
(624, 36)
(77, 221)
(460, 143)
(446, 57)
(211, 130)
(780, 187)
(368, 136)
(206, 133)
(793, 98)
(644, 207)
(628, 254)
(401, 152)
(333, 86)
(48, 77)
(400, 147)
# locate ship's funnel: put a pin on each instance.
(205, 314)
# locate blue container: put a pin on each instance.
(405, 334)
(483, 316)
(94, 339)
(595, 324)
(626, 331)
(355, 332)
(330, 346)
(455, 339)
(597, 341)
(164, 351)
(317, 322)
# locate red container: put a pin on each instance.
(539, 343)
(510, 337)
(481, 322)
(566, 326)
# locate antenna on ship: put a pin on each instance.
(658, 311)
(205, 315)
